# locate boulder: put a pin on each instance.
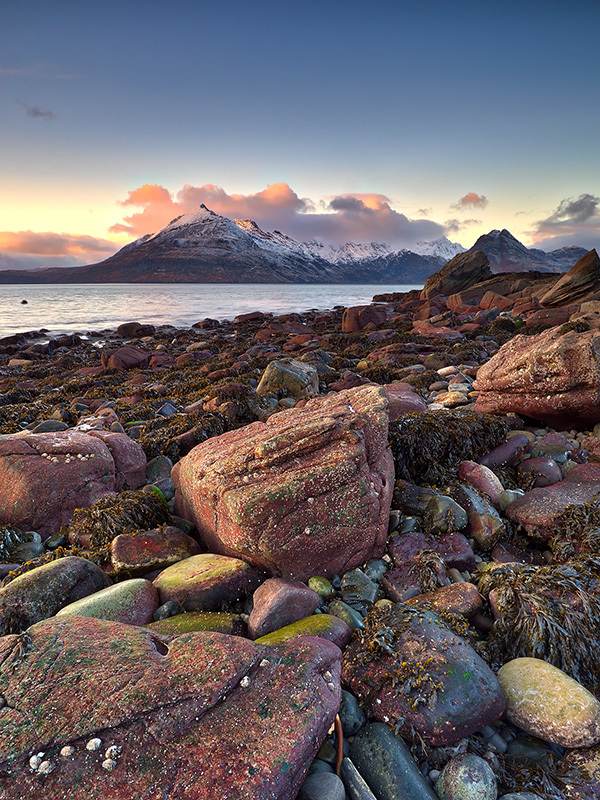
(296, 377)
(41, 592)
(306, 493)
(540, 510)
(206, 581)
(581, 282)
(461, 272)
(201, 716)
(132, 602)
(441, 688)
(129, 458)
(544, 701)
(358, 317)
(139, 553)
(46, 476)
(125, 357)
(553, 377)
(403, 399)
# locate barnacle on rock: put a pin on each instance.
(10, 537)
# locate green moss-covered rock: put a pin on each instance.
(217, 621)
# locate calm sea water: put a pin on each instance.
(86, 307)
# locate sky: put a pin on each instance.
(341, 120)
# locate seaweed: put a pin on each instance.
(540, 608)
(112, 515)
(428, 446)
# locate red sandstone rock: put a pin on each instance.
(137, 554)
(461, 272)
(581, 282)
(553, 377)
(458, 598)
(306, 493)
(538, 510)
(129, 458)
(279, 602)
(425, 328)
(125, 357)
(358, 317)
(403, 399)
(200, 716)
(46, 476)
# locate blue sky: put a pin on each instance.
(394, 120)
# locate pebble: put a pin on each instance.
(67, 750)
(46, 767)
(352, 717)
(322, 786)
(467, 777)
(93, 744)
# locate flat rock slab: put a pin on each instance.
(140, 553)
(306, 493)
(205, 581)
(201, 716)
(539, 510)
(409, 670)
(41, 592)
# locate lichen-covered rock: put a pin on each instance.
(410, 670)
(139, 553)
(46, 476)
(467, 777)
(132, 602)
(201, 716)
(217, 621)
(325, 626)
(205, 581)
(41, 592)
(296, 377)
(543, 700)
(306, 493)
(553, 377)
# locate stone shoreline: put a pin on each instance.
(334, 555)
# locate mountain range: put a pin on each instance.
(204, 247)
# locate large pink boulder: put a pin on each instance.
(46, 476)
(358, 317)
(402, 399)
(306, 493)
(199, 716)
(553, 377)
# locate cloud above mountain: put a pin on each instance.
(342, 218)
(30, 249)
(576, 220)
(470, 200)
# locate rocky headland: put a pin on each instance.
(326, 555)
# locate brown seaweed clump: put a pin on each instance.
(112, 515)
(428, 446)
(541, 608)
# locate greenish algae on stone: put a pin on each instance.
(132, 602)
(199, 621)
(325, 626)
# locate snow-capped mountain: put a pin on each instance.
(204, 247)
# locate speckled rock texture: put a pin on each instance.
(201, 716)
(41, 592)
(46, 476)
(461, 272)
(544, 701)
(553, 377)
(408, 669)
(306, 493)
(143, 552)
(581, 282)
(132, 602)
(538, 511)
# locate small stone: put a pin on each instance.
(93, 744)
(109, 764)
(245, 682)
(467, 777)
(114, 751)
(46, 767)
(35, 761)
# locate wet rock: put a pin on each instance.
(41, 592)
(279, 602)
(321, 474)
(441, 687)
(454, 549)
(349, 615)
(323, 786)
(403, 399)
(540, 471)
(356, 786)
(139, 553)
(205, 715)
(131, 330)
(132, 602)
(352, 716)
(387, 765)
(444, 515)
(205, 581)
(543, 700)
(482, 478)
(296, 377)
(508, 453)
(539, 510)
(467, 777)
(358, 591)
(458, 598)
(46, 476)
(324, 626)
(485, 524)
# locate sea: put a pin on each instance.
(83, 308)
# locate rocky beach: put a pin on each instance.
(335, 555)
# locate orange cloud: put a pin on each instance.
(23, 249)
(471, 200)
(361, 217)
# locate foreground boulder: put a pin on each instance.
(46, 476)
(306, 493)
(553, 377)
(201, 716)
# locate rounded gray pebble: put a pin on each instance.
(322, 786)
